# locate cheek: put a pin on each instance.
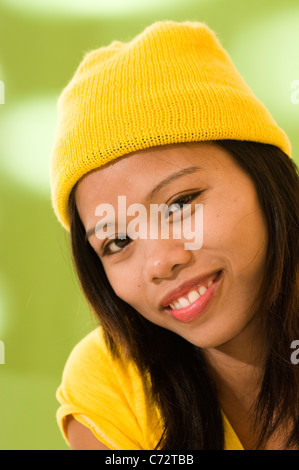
(237, 230)
(125, 282)
(249, 236)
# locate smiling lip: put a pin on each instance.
(194, 310)
(186, 287)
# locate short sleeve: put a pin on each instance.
(108, 397)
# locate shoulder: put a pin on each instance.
(107, 395)
(91, 366)
(93, 343)
(88, 353)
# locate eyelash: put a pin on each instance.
(107, 247)
(187, 198)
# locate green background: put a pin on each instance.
(42, 311)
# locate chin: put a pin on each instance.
(214, 338)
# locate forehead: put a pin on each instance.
(138, 175)
(148, 165)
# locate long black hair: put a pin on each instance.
(180, 383)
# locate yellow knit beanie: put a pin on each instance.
(172, 83)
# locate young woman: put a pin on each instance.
(193, 349)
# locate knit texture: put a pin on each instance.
(172, 83)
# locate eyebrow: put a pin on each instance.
(171, 178)
(153, 192)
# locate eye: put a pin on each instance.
(182, 201)
(116, 245)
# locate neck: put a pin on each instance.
(237, 369)
(238, 363)
(237, 376)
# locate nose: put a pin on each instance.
(163, 257)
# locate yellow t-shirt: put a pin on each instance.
(108, 396)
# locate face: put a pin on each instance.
(204, 294)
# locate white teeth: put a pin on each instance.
(183, 302)
(176, 304)
(202, 290)
(192, 297)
